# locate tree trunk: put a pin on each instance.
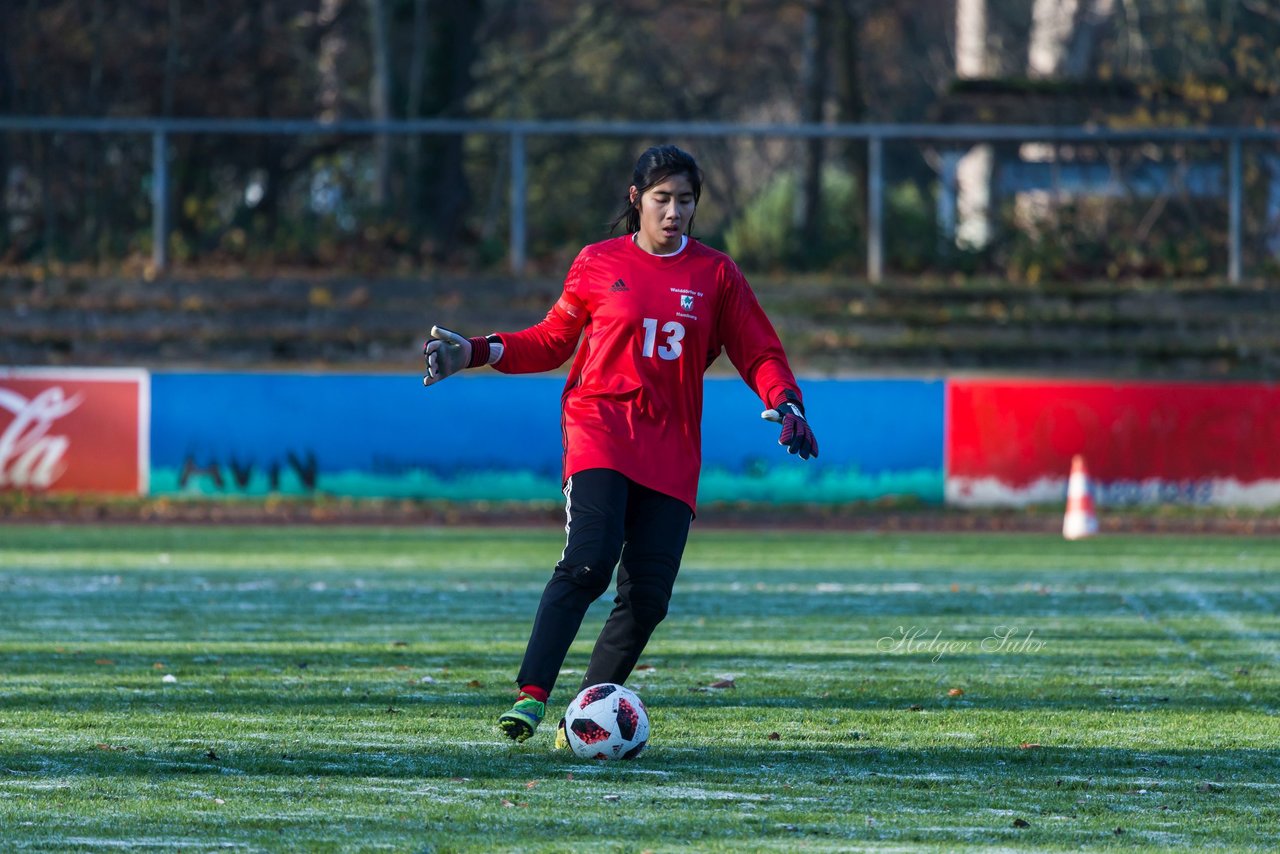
(419, 51)
(973, 173)
(170, 84)
(850, 102)
(813, 86)
(332, 46)
(168, 92)
(1093, 17)
(380, 99)
(261, 218)
(417, 59)
(444, 193)
(96, 202)
(7, 107)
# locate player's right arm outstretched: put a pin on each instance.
(446, 352)
(544, 346)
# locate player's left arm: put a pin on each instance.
(755, 350)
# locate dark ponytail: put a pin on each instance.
(656, 165)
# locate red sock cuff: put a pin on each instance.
(539, 694)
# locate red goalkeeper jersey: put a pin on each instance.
(650, 327)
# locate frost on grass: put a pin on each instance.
(167, 843)
(694, 793)
(800, 638)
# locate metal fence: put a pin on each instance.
(1202, 178)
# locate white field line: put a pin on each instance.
(1267, 606)
(1236, 628)
(1233, 624)
(134, 844)
(1136, 604)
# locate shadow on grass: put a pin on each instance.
(210, 661)
(1237, 772)
(379, 698)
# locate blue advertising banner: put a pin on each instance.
(487, 436)
(876, 438)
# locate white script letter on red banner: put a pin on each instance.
(74, 430)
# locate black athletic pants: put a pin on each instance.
(609, 516)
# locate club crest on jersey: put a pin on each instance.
(686, 302)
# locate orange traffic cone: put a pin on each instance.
(1080, 521)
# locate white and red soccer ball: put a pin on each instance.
(606, 721)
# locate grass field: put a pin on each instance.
(315, 688)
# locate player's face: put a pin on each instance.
(665, 211)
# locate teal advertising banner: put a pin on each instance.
(484, 436)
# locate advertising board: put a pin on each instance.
(1011, 441)
(78, 430)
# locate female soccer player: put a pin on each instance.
(652, 309)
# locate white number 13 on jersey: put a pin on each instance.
(675, 334)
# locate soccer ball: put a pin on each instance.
(606, 721)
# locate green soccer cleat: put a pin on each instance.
(521, 721)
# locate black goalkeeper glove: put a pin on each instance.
(797, 435)
(447, 352)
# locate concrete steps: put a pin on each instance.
(1182, 330)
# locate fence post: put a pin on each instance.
(159, 200)
(518, 237)
(1234, 204)
(875, 209)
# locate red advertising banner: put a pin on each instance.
(1011, 441)
(74, 430)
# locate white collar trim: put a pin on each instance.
(684, 241)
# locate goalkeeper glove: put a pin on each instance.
(448, 352)
(797, 435)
